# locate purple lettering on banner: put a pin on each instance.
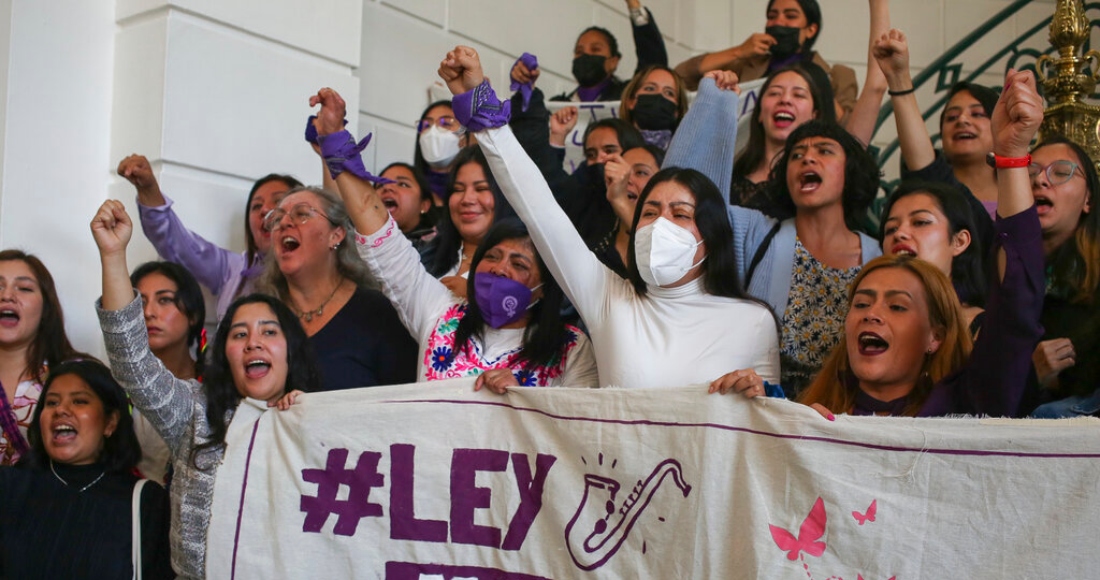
(467, 497)
(413, 571)
(403, 522)
(749, 102)
(359, 482)
(530, 496)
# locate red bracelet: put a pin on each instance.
(999, 162)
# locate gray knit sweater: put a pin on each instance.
(177, 410)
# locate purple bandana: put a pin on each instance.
(531, 62)
(342, 154)
(479, 109)
(311, 131)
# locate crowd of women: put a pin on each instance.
(667, 259)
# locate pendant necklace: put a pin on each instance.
(308, 315)
(81, 490)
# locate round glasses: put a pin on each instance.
(1058, 172)
(446, 122)
(300, 213)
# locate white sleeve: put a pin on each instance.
(581, 275)
(580, 366)
(766, 356)
(417, 296)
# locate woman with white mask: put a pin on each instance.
(681, 318)
(439, 138)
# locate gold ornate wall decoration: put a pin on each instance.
(1068, 79)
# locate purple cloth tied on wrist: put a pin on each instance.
(342, 154)
(480, 109)
(311, 131)
(532, 63)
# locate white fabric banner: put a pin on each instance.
(436, 481)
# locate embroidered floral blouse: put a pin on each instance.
(431, 313)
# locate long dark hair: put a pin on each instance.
(221, 392)
(288, 180)
(545, 334)
(1075, 265)
(448, 241)
(189, 300)
(720, 266)
(753, 154)
(967, 269)
(861, 172)
(50, 345)
(121, 450)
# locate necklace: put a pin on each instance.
(81, 490)
(308, 315)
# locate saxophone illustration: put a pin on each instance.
(594, 535)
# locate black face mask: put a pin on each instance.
(588, 69)
(654, 113)
(786, 40)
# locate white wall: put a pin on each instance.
(215, 91)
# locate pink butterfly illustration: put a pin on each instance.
(869, 516)
(809, 534)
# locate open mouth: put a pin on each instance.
(809, 181)
(1043, 205)
(783, 119)
(290, 243)
(9, 317)
(389, 202)
(903, 250)
(871, 344)
(63, 433)
(965, 136)
(256, 369)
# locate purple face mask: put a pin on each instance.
(502, 300)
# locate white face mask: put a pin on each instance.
(439, 146)
(665, 252)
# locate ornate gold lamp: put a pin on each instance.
(1068, 79)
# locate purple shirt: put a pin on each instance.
(992, 380)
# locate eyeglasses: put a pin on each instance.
(1058, 172)
(446, 122)
(299, 214)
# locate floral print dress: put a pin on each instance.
(814, 318)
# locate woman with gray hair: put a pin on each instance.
(356, 335)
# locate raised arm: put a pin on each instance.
(211, 265)
(1015, 121)
(756, 47)
(416, 295)
(1000, 363)
(649, 45)
(578, 271)
(365, 206)
(891, 51)
(861, 122)
(162, 398)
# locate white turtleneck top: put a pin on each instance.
(669, 337)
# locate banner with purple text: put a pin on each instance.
(437, 481)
